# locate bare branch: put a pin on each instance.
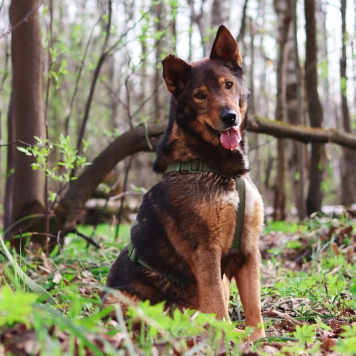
(104, 54)
(66, 130)
(86, 238)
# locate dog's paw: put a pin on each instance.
(257, 334)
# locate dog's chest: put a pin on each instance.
(232, 198)
(229, 202)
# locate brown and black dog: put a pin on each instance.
(186, 223)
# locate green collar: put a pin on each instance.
(190, 167)
(199, 167)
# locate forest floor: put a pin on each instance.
(51, 305)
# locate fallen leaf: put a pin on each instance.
(57, 278)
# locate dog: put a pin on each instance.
(180, 250)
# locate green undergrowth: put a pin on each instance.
(284, 226)
(52, 305)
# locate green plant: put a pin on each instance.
(15, 307)
(61, 171)
(305, 333)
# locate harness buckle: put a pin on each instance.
(191, 170)
(133, 253)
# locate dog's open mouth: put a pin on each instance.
(230, 138)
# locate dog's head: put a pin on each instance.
(211, 98)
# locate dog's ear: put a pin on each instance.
(225, 47)
(175, 73)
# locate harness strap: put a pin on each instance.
(198, 167)
(132, 252)
(241, 189)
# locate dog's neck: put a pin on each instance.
(181, 145)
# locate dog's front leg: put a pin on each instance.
(248, 284)
(207, 269)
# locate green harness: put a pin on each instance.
(197, 167)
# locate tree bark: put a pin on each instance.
(201, 22)
(282, 8)
(219, 16)
(294, 116)
(174, 27)
(158, 11)
(315, 110)
(9, 172)
(192, 19)
(27, 195)
(327, 100)
(241, 35)
(348, 186)
(303, 133)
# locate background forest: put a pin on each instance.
(83, 105)
(81, 74)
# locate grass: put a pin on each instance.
(308, 300)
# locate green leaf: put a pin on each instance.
(15, 307)
(305, 333)
(24, 150)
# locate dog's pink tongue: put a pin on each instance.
(230, 139)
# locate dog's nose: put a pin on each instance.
(228, 116)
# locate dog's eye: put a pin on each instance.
(228, 85)
(199, 95)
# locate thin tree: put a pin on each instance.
(282, 8)
(348, 186)
(315, 110)
(219, 15)
(158, 13)
(27, 193)
(296, 159)
(327, 100)
(241, 34)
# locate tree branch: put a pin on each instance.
(302, 133)
(104, 54)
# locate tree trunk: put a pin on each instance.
(201, 22)
(158, 11)
(328, 101)
(27, 194)
(219, 16)
(9, 172)
(191, 26)
(258, 167)
(315, 110)
(282, 8)
(294, 116)
(174, 27)
(263, 155)
(348, 186)
(241, 34)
